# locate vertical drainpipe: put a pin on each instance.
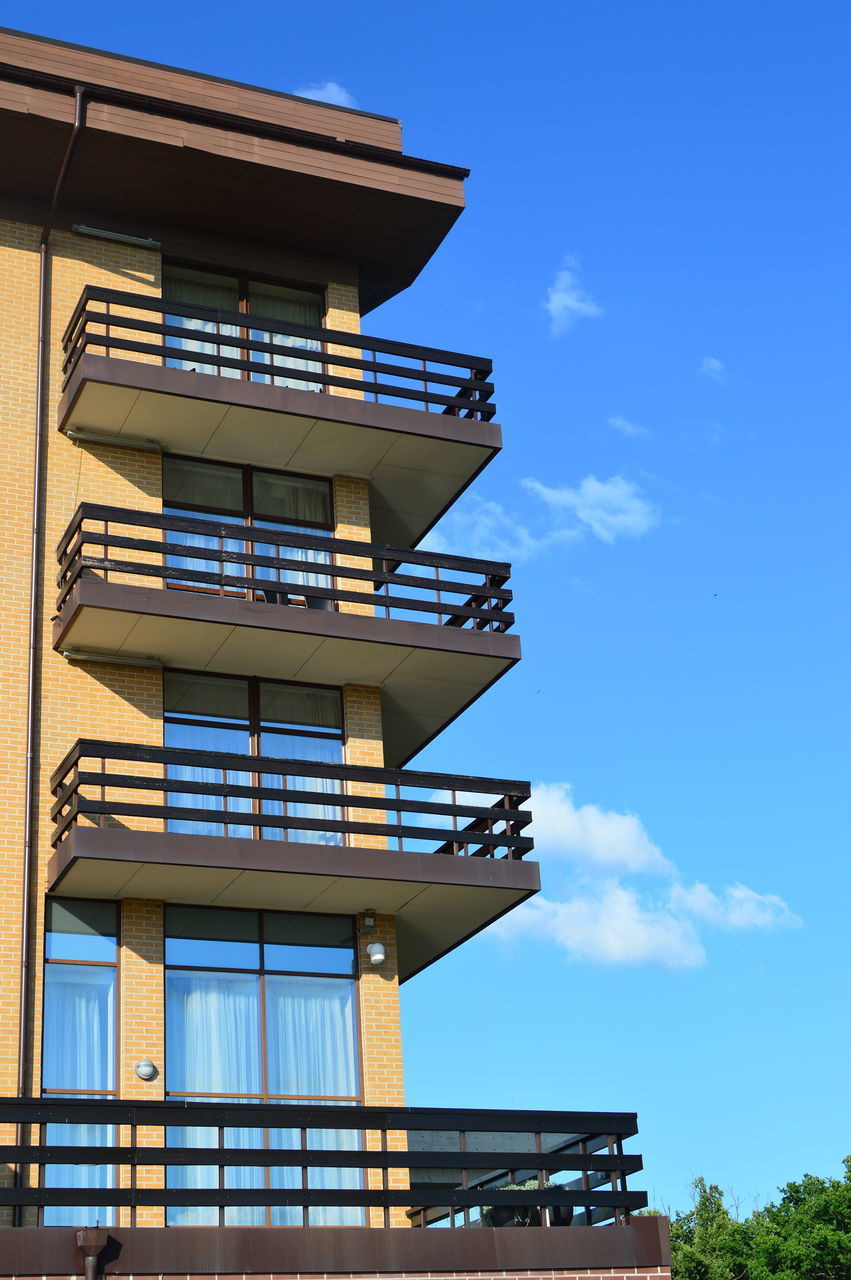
(35, 565)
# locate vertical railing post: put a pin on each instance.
(543, 1179)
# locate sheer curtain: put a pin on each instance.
(213, 1039)
(79, 1053)
(202, 289)
(310, 1038)
(299, 307)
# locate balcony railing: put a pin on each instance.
(283, 568)
(271, 798)
(371, 1166)
(233, 344)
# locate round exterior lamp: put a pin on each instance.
(375, 951)
(146, 1070)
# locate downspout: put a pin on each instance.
(35, 566)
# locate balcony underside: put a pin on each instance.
(642, 1243)
(438, 902)
(427, 674)
(417, 462)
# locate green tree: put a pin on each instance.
(805, 1236)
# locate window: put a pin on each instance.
(264, 499)
(247, 303)
(260, 1007)
(79, 1041)
(254, 717)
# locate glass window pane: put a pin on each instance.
(299, 705)
(202, 484)
(291, 498)
(210, 697)
(80, 930)
(309, 944)
(212, 936)
(213, 1033)
(310, 1037)
(79, 1027)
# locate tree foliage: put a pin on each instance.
(806, 1235)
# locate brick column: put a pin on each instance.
(381, 1053)
(142, 1034)
(342, 312)
(352, 520)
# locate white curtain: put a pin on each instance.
(79, 1053)
(213, 1039)
(323, 750)
(310, 1036)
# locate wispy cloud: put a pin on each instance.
(611, 509)
(327, 91)
(567, 301)
(711, 367)
(624, 427)
(600, 917)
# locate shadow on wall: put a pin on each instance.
(140, 687)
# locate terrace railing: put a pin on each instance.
(282, 353)
(219, 793)
(353, 1165)
(283, 568)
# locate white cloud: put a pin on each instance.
(626, 428)
(600, 917)
(567, 301)
(609, 508)
(587, 834)
(710, 367)
(488, 530)
(327, 91)
(737, 907)
(609, 924)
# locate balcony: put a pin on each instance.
(441, 852)
(402, 1172)
(429, 629)
(222, 385)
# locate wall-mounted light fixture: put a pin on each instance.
(375, 951)
(146, 1070)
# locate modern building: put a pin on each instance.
(221, 651)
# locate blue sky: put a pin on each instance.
(654, 254)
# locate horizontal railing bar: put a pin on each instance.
(281, 1157)
(103, 750)
(337, 337)
(289, 822)
(337, 799)
(215, 358)
(232, 530)
(180, 1197)
(577, 1126)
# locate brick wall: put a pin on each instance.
(352, 520)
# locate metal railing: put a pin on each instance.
(432, 1166)
(269, 797)
(283, 568)
(261, 349)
